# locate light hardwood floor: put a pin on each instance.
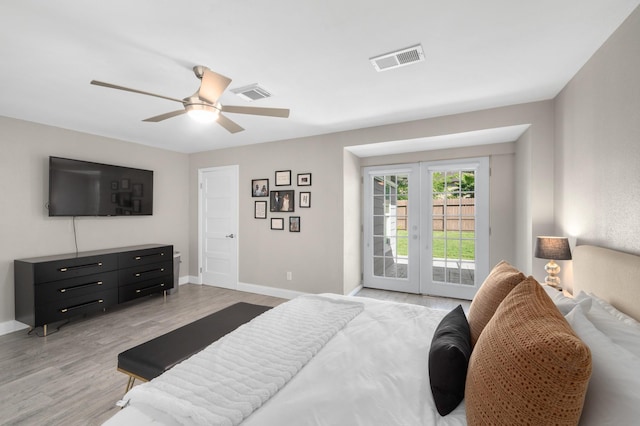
(70, 377)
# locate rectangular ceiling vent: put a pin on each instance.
(251, 93)
(399, 58)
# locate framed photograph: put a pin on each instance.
(277, 223)
(283, 178)
(260, 187)
(304, 179)
(294, 223)
(137, 190)
(260, 210)
(282, 201)
(305, 200)
(124, 184)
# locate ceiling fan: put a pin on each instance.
(203, 105)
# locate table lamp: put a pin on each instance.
(552, 248)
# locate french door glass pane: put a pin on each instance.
(453, 227)
(390, 220)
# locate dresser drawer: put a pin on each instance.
(73, 306)
(144, 272)
(74, 267)
(143, 288)
(145, 257)
(55, 291)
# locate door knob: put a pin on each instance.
(229, 236)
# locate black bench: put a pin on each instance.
(152, 358)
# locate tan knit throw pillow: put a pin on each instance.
(501, 280)
(528, 366)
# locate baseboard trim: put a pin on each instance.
(193, 279)
(269, 291)
(355, 291)
(11, 326)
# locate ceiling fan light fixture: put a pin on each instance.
(202, 113)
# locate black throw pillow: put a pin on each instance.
(448, 360)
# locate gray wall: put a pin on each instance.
(26, 230)
(597, 132)
(325, 256)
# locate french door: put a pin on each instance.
(391, 223)
(426, 227)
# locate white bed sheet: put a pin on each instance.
(372, 372)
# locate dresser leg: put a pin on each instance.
(44, 328)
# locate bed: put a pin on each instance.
(336, 360)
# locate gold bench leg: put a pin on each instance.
(130, 383)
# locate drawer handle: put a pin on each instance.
(148, 255)
(140, 290)
(138, 274)
(71, 268)
(77, 287)
(82, 305)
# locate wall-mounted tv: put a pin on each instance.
(83, 188)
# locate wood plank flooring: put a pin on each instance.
(70, 377)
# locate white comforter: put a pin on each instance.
(374, 371)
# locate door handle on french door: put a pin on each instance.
(230, 236)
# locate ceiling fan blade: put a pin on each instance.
(127, 89)
(212, 86)
(164, 116)
(228, 124)
(270, 112)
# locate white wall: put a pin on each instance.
(597, 133)
(26, 230)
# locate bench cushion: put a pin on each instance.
(152, 358)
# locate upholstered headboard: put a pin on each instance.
(609, 274)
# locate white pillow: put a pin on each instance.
(623, 330)
(615, 313)
(566, 304)
(612, 396)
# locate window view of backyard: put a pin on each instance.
(453, 238)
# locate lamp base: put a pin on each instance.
(552, 279)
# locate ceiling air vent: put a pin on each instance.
(398, 59)
(251, 93)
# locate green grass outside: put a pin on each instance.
(454, 244)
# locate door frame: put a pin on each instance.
(201, 172)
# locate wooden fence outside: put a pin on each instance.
(460, 214)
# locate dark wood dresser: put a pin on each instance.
(54, 288)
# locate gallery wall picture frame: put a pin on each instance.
(305, 200)
(277, 223)
(304, 179)
(283, 178)
(259, 187)
(294, 223)
(282, 201)
(260, 210)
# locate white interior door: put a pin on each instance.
(219, 226)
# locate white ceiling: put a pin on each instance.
(312, 55)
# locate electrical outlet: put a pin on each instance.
(289, 276)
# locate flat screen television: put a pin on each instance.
(83, 188)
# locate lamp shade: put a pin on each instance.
(556, 248)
